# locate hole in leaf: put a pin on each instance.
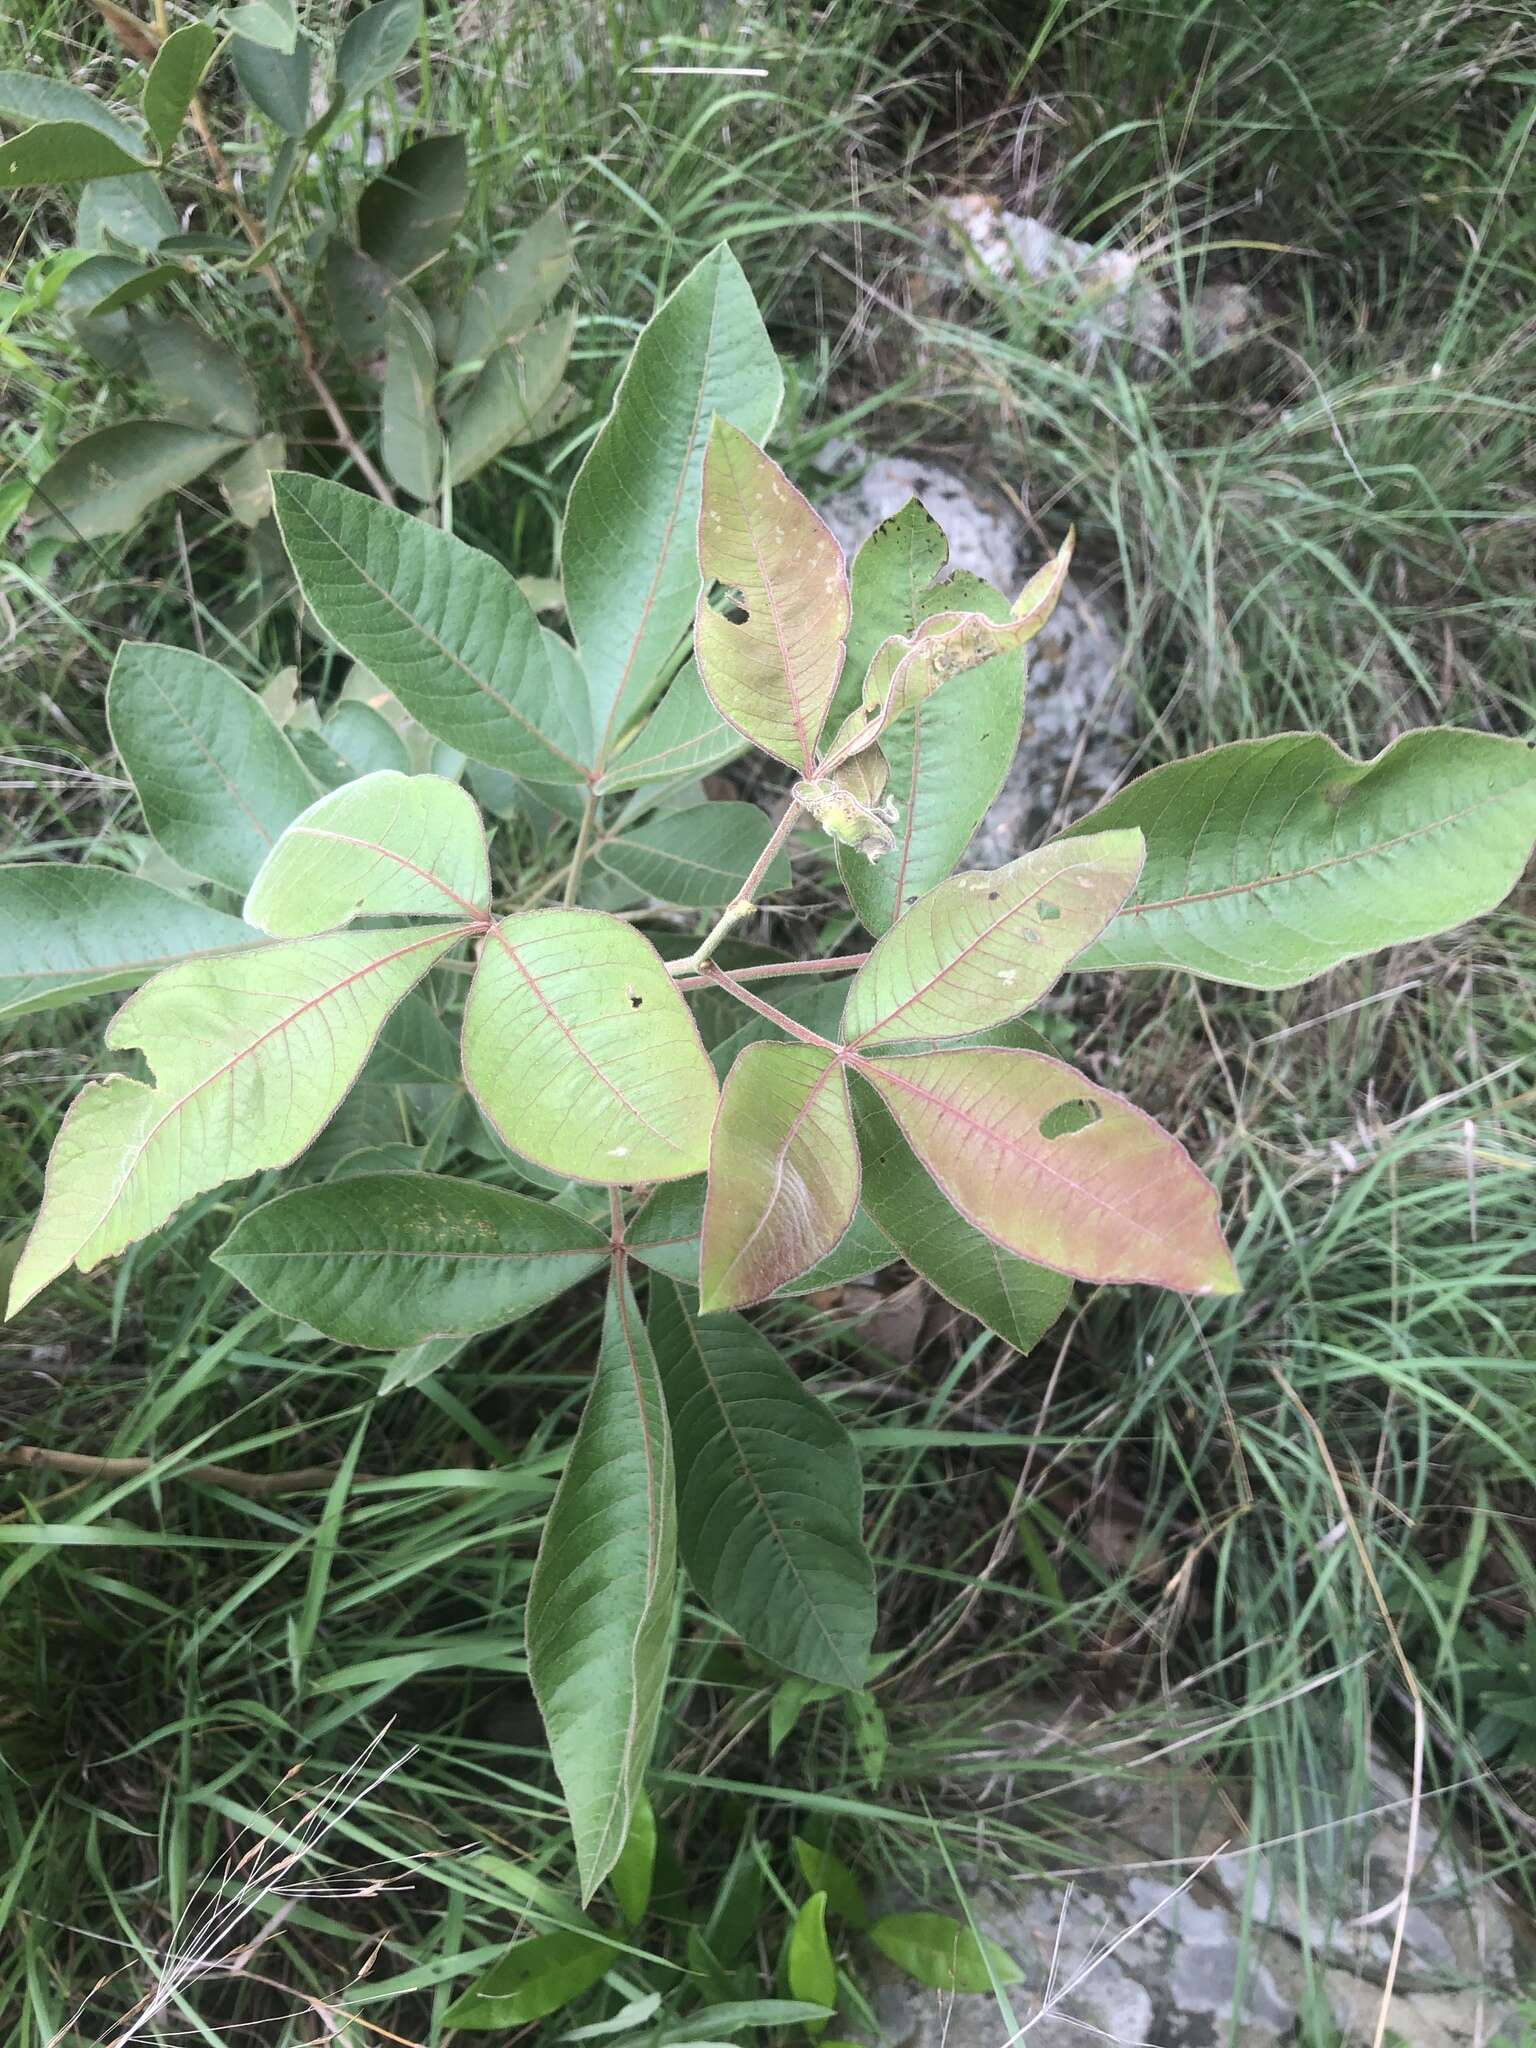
(1048, 912)
(635, 998)
(992, 895)
(1077, 1115)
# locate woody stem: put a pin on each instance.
(741, 905)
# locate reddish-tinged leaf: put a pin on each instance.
(982, 947)
(783, 1173)
(1057, 1169)
(773, 674)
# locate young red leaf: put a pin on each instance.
(1054, 1168)
(783, 1173)
(983, 947)
(772, 674)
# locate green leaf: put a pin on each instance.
(515, 399)
(582, 1054)
(200, 381)
(1016, 1299)
(71, 932)
(942, 1953)
(808, 1964)
(949, 756)
(216, 779)
(407, 214)
(131, 210)
(629, 560)
(824, 1872)
(773, 671)
(361, 293)
(684, 736)
(134, 281)
(99, 278)
(601, 1598)
(387, 845)
(251, 1053)
(390, 1259)
(274, 24)
(377, 42)
(534, 1978)
(62, 153)
(699, 857)
(29, 98)
(173, 79)
(712, 2022)
(984, 946)
(105, 482)
(871, 1737)
(667, 1235)
(415, 1046)
(513, 291)
(634, 1872)
(1269, 861)
(440, 624)
(411, 438)
(1114, 1199)
(889, 583)
(783, 1172)
(276, 81)
(247, 481)
(769, 1495)
(365, 739)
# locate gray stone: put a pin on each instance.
(1113, 299)
(1078, 717)
(1152, 1947)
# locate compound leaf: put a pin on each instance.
(772, 672)
(1054, 1168)
(982, 947)
(1015, 1298)
(438, 622)
(71, 932)
(769, 1496)
(601, 1599)
(699, 857)
(783, 1172)
(387, 1260)
(1269, 861)
(629, 561)
(387, 845)
(251, 1056)
(216, 779)
(581, 1052)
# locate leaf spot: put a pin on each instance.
(1049, 912)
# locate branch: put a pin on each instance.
(309, 354)
(774, 970)
(304, 1479)
(741, 905)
